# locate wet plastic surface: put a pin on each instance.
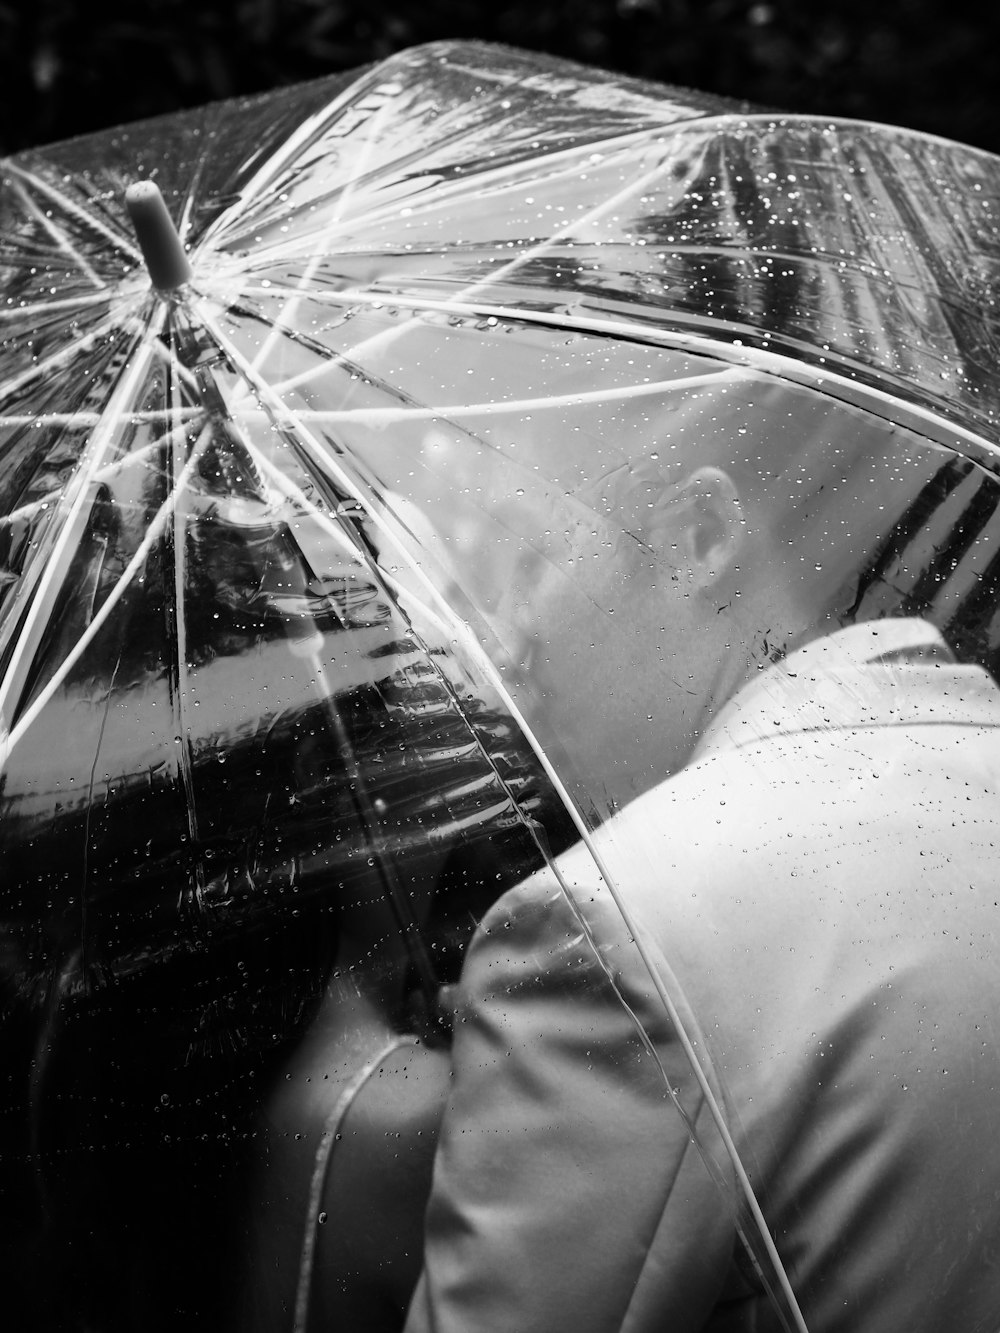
(328, 586)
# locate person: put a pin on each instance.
(731, 1063)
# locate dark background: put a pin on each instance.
(70, 66)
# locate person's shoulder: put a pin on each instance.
(562, 939)
(557, 908)
(404, 1089)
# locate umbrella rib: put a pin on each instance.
(93, 419)
(43, 308)
(118, 239)
(289, 308)
(65, 354)
(444, 192)
(61, 240)
(46, 590)
(160, 519)
(193, 186)
(455, 411)
(253, 191)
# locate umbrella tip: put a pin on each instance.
(157, 236)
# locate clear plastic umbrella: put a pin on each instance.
(328, 578)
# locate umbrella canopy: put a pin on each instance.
(292, 587)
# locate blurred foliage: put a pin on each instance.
(67, 68)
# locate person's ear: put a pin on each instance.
(703, 526)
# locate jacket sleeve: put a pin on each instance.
(569, 1191)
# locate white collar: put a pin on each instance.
(878, 673)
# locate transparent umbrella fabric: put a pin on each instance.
(317, 572)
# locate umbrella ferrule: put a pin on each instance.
(158, 238)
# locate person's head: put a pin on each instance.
(633, 530)
(657, 553)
